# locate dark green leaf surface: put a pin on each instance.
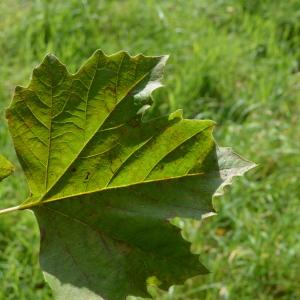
(104, 184)
(6, 168)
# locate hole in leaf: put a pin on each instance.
(87, 176)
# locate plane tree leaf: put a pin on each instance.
(6, 167)
(105, 184)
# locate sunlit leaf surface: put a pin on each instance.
(105, 184)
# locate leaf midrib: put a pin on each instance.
(104, 189)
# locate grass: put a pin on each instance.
(235, 61)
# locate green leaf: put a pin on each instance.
(105, 184)
(6, 168)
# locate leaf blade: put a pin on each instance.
(103, 179)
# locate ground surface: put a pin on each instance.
(235, 61)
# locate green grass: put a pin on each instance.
(235, 61)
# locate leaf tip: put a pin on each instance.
(177, 114)
(50, 58)
(99, 52)
(164, 58)
(50, 62)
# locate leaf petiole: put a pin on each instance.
(10, 209)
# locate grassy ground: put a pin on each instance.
(235, 61)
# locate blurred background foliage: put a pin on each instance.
(234, 61)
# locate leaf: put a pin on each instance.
(6, 168)
(105, 184)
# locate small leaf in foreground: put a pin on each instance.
(6, 168)
(105, 184)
